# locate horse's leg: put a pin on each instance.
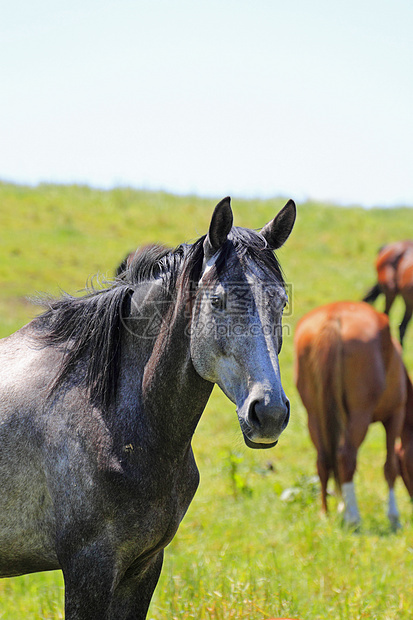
(347, 462)
(322, 467)
(90, 593)
(391, 470)
(390, 296)
(133, 594)
(350, 509)
(323, 474)
(403, 325)
(405, 457)
(89, 577)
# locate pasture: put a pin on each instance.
(253, 544)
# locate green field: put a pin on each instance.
(243, 551)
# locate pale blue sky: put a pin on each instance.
(307, 99)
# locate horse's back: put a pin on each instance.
(368, 355)
(317, 344)
(387, 264)
(357, 321)
(391, 253)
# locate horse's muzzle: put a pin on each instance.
(258, 446)
(264, 423)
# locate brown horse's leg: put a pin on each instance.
(390, 297)
(403, 325)
(405, 456)
(323, 474)
(347, 462)
(391, 470)
(405, 450)
(322, 465)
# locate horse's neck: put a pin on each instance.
(172, 389)
(168, 394)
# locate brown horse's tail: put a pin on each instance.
(327, 364)
(372, 293)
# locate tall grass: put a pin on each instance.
(253, 544)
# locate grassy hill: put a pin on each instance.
(242, 551)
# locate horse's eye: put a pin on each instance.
(217, 302)
(281, 305)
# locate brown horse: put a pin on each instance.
(135, 256)
(388, 262)
(349, 373)
(405, 286)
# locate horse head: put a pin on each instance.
(236, 328)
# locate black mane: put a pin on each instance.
(88, 328)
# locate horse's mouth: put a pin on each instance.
(259, 446)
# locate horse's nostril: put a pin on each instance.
(253, 416)
(262, 416)
(287, 415)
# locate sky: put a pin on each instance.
(308, 99)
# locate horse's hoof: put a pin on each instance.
(395, 524)
(351, 522)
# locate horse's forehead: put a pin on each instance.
(256, 283)
(254, 273)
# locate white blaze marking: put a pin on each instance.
(210, 263)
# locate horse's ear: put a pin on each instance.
(278, 230)
(221, 224)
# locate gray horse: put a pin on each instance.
(100, 397)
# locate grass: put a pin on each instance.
(246, 548)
